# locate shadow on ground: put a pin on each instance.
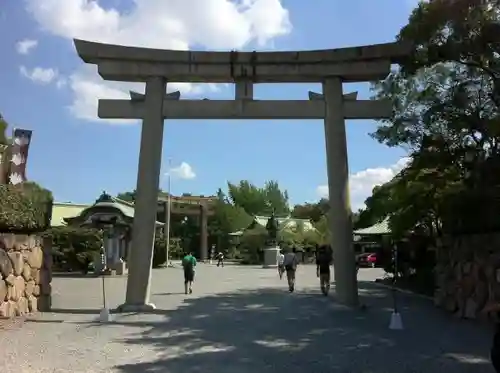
(270, 330)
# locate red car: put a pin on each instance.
(367, 260)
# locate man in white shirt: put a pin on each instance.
(281, 266)
(290, 264)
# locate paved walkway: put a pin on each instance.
(241, 319)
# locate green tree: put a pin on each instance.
(309, 211)
(4, 139)
(127, 196)
(74, 248)
(259, 201)
(446, 114)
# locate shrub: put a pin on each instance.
(25, 208)
(73, 248)
(160, 250)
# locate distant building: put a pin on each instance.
(286, 224)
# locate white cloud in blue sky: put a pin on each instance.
(63, 92)
(215, 24)
(361, 183)
(26, 45)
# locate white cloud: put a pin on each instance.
(362, 183)
(173, 24)
(39, 74)
(88, 88)
(25, 46)
(61, 82)
(183, 171)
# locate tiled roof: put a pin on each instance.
(60, 211)
(286, 223)
(376, 229)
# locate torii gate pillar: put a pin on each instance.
(148, 179)
(339, 214)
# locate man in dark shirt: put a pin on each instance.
(324, 259)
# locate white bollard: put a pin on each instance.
(396, 321)
(104, 316)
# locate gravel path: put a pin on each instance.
(240, 319)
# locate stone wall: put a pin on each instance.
(468, 274)
(25, 275)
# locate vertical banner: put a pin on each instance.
(21, 140)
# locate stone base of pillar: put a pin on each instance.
(142, 308)
(271, 257)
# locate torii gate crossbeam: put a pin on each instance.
(156, 67)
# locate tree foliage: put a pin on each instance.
(74, 248)
(24, 208)
(446, 113)
(259, 201)
(4, 139)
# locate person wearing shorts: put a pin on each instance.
(188, 264)
(290, 264)
(323, 262)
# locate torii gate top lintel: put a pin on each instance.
(353, 64)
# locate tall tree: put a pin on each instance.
(446, 113)
(127, 196)
(310, 211)
(259, 201)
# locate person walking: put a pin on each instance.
(281, 266)
(290, 262)
(220, 259)
(188, 264)
(324, 259)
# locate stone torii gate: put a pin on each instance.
(155, 67)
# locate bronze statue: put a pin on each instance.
(272, 228)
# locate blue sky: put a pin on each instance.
(46, 88)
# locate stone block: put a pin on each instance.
(35, 257)
(3, 290)
(8, 241)
(26, 272)
(32, 304)
(21, 242)
(30, 287)
(17, 262)
(34, 241)
(35, 275)
(10, 279)
(22, 307)
(16, 291)
(7, 309)
(5, 264)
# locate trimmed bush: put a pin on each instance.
(74, 248)
(24, 208)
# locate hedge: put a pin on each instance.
(74, 248)
(25, 208)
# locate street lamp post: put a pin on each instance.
(169, 209)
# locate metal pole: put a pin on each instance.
(169, 207)
(394, 295)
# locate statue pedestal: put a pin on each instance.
(271, 257)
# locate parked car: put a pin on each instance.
(367, 260)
